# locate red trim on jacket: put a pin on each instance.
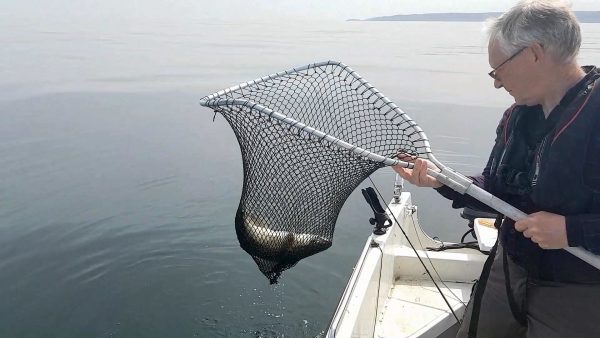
(572, 119)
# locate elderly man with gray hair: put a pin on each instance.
(545, 161)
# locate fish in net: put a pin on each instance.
(308, 137)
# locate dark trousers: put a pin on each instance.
(552, 309)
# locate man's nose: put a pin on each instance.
(497, 83)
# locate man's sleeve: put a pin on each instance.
(584, 230)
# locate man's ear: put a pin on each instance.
(538, 52)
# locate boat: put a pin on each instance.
(390, 294)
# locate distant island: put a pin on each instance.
(582, 16)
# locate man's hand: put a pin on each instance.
(548, 230)
(418, 176)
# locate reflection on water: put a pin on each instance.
(118, 192)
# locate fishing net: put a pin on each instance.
(308, 137)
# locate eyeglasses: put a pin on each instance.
(493, 75)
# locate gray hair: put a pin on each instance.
(550, 23)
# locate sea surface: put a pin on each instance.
(118, 191)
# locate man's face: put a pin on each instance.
(517, 76)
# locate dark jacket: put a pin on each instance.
(552, 165)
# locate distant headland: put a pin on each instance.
(582, 16)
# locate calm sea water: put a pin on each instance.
(118, 192)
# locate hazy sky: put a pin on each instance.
(250, 9)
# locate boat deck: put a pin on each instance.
(389, 293)
(425, 312)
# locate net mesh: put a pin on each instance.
(297, 180)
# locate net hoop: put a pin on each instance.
(215, 100)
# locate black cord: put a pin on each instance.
(417, 254)
(468, 245)
(470, 231)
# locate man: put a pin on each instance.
(546, 161)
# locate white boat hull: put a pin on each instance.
(389, 294)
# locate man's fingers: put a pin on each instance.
(415, 173)
(403, 172)
(418, 175)
(405, 157)
(423, 171)
(521, 225)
